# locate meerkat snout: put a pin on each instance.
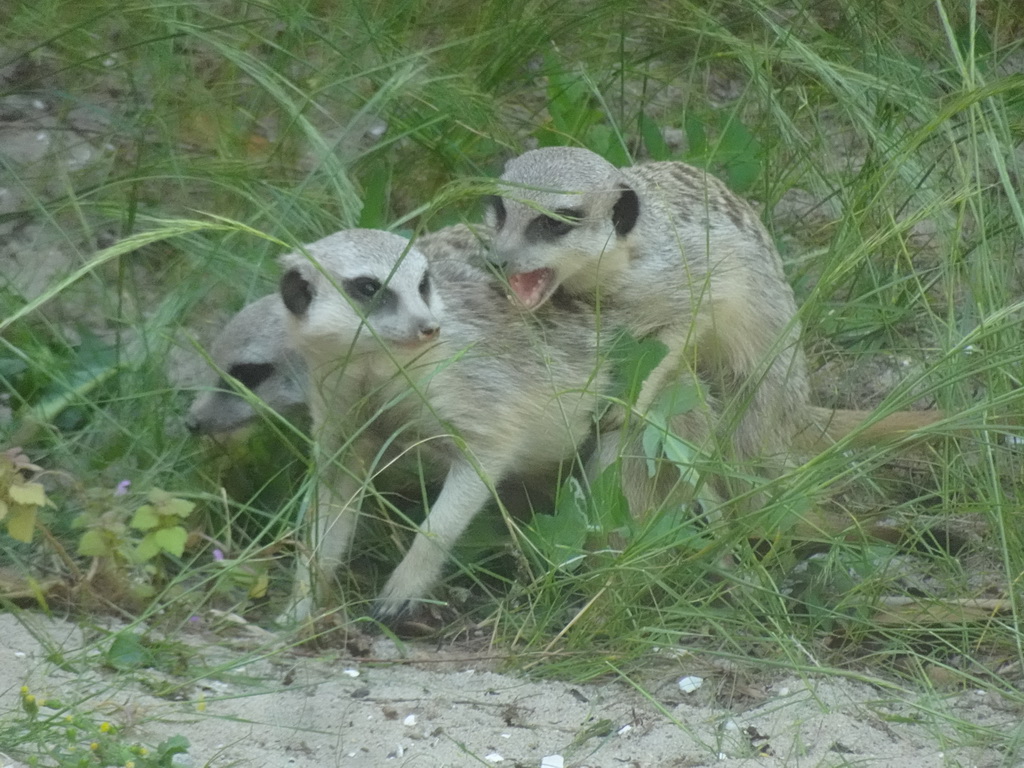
(429, 331)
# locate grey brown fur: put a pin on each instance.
(434, 355)
(682, 258)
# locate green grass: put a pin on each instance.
(220, 133)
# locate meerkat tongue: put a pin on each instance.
(532, 288)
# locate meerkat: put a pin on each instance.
(680, 257)
(253, 348)
(434, 356)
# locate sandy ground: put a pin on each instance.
(252, 702)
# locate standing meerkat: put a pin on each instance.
(679, 255)
(434, 357)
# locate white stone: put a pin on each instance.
(690, 683)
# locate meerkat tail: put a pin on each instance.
(829, 426)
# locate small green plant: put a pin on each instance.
(51, 733)
(20, 498)
(136, 545)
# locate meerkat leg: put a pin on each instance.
(464, 493)
(330, 528)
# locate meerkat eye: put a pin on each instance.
(551, 228)
(362, 287)
(555, 227)
(425, 287)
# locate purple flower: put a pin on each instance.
(122, 487)
(218, 555)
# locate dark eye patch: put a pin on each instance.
(362, 288)
(546, 228)
(498, 206)
(250, 375)
(425, 286)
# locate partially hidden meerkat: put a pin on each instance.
(253, 348)
(433, 356)
(681, 258)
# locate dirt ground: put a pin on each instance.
(252, 702)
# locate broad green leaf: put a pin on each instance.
(740, 151)
(166, 750)
(611, 510)
(147, 549)
(93, 544)
(21, 521)
(28, 493)
(170, 540)
(158, 496)
(633, 360)
(683, 455)
(145, 518)
(653, 140)
(127, 652)
(376, 187)
(178, 507)
(696, 137)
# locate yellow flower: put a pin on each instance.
(106, 727)
(94, 746)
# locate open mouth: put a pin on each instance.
(533, 288)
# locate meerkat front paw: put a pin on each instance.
(404, 591)
(300, 605)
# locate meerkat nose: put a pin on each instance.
(429, 332)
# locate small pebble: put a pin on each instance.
(350, 672)
(690, 683)
(552, 761)
(494, 757)
(409, 720)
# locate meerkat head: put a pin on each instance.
(253, 349)
(562, 219)
(357, 288)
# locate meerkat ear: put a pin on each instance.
(626, 211)
(497, 205)
(296, 292)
